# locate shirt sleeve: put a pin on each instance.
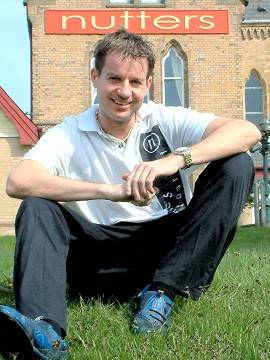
(183, 126)
(52, 150)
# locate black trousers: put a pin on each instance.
(55, 246)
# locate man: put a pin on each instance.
(121, 169)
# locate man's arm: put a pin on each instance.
(30, 178)
(223, 137)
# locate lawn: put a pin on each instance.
(231, 321)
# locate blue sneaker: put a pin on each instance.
(154, 312)
(27, 339)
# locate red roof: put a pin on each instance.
(26, 129)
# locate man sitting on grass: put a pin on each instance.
(106, 195)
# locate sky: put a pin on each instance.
(15, 52)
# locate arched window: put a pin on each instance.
(173, 79)
(94, 99)
(254, 99)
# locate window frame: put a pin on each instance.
(262, 88)
(181, 77)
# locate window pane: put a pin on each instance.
(253, 81)
(173, 65)
(173, 78)
(173, 92)
(254, 100)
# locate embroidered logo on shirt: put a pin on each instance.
(153, 146)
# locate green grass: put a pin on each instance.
(230, 321)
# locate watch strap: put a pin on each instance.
(186, 153)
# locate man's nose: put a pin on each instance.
(124, 90)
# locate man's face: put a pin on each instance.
(121, 87)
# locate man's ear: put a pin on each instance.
(148, 83)
(94, 76)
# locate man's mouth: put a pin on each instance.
(121, 103)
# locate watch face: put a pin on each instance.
(181, 149)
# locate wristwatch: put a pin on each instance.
(185, 152)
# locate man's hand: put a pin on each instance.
(140, 181)
(119, 192)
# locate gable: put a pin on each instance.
(26, 130)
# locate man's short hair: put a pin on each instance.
(127, 44)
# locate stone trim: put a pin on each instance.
(255, 32)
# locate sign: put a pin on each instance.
(138, 21)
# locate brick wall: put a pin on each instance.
(10, 154)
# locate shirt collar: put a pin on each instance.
(87, 119)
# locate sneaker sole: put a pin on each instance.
(14, 341)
